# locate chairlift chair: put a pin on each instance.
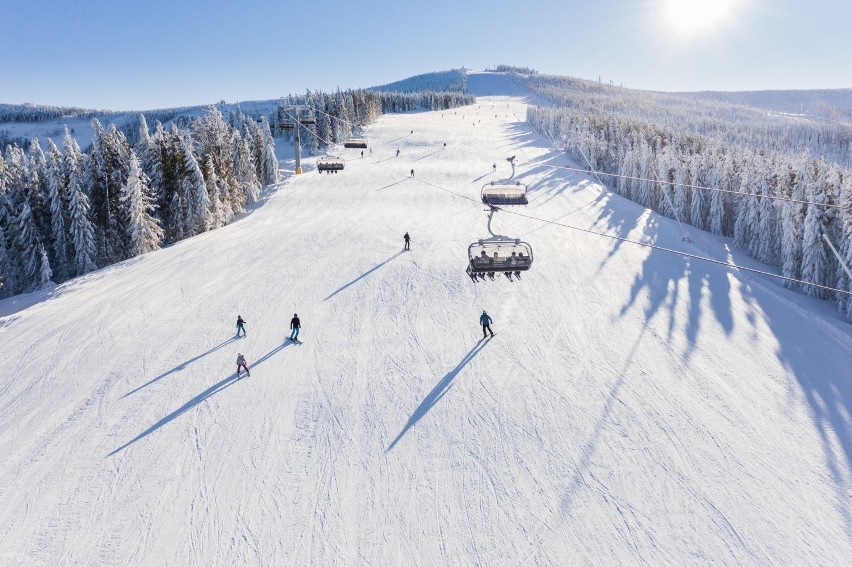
(355, 143)
(499, 254)
(307, 117)
(330, 163)
(504, 193)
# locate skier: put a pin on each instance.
(295, 325)
(485, 320)
(240, 326)
(407, 241)
(241, 363)
(412, 173)
(362, 154)
(397, 152)
(495, 167)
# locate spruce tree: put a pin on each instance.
(143, 229)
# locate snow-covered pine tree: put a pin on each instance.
(814, 253)
(681, 193)
(697, 207)
(793, 185)
(717, 210)
(215, 212)
(57, 202)
(645, 171)
(82, 231)
(743, 229)
(844, 302)
(143, 229)
(6, 287)
(194, 191)
(29, 248)
(269, 166)
(45, 273)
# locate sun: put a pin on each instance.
(693, 17)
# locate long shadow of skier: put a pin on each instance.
(214, 389)
(269, 354)
(180, 366)
(362, 276)
(441, 388)
(392, 184)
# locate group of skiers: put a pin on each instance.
(295, 325)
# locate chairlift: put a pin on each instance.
(498, 255)
(307, 117)
(288, 125)
(330, 163)
(355, 143)
(504, 193)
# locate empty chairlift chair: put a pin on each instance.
(355, 143)
(504, 193)
(330, 163)
(307, 117)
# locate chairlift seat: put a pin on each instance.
(355, 143)
(504, 193)
(501, 255)
(330, 163)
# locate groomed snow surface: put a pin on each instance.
(634, 408)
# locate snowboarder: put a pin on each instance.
(240, 326)
(295, 325)
(485, 320)
(407, 241)
(241, 363)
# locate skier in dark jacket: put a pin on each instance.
(407, 241)
(240, 326)
(295, 325)
(485, 321)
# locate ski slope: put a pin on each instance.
(634, 408)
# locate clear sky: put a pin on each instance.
(143, 54)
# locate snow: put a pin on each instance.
(634, 408)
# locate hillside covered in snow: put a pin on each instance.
(635, 407)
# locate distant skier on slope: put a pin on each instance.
(397, 152)
(485, 321)
(295, 325)
(495, 167)
(241, 363)
(240, 326)
(412, 173)
(407, 241)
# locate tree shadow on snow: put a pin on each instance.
(364, 275)
(180, 366)
(441, 388)
(819, 363)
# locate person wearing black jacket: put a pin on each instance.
(407, 241)
(240, 326)
(295, 325)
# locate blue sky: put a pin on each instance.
(144, 54)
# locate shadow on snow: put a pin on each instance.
(441, 388)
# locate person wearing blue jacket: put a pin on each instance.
(485, 321)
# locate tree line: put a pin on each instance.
(65, 211)
(654, 163)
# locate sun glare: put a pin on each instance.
(692, 17)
